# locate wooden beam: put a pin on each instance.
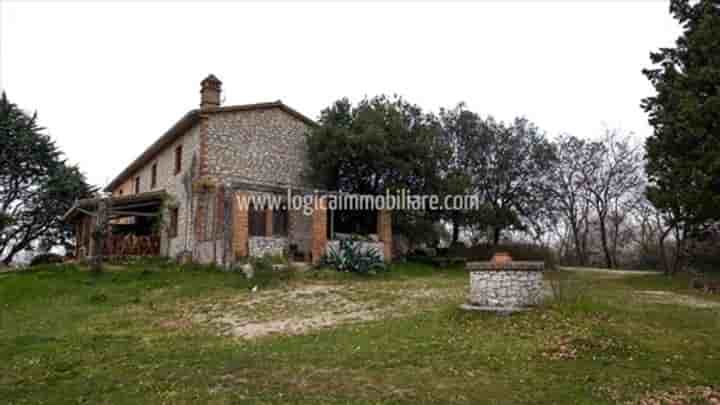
(134, 213)
(92, 214)
(139, 205)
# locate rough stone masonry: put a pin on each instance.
(505, 284)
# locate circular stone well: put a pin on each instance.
(504, 285)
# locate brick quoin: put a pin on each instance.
(219, 211)
(384, 231)
(203, 146)
(240, 227)
(319, 229)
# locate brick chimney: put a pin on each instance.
(210, 89)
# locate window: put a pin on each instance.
(256, 221)
(173, 228)
(178, 159)
(280, 221)
(137, 184)
(153, 176)
(120, 192)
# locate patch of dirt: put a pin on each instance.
(299, 326)
(595, 270)
(180, 323)
(682, 396)
(667, 297)
(301, 309)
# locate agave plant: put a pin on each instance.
(350, 257)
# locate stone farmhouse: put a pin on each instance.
(186, 196)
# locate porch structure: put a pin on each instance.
(258, 231)
(134, 225)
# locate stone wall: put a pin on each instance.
(260, 246)
(505, 288)
(172, 184)
(261, 146)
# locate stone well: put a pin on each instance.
(504, 285)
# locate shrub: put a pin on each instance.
(278, 259)
(518, 251)
(423, 259)
(705, 252)
(98, 298)
(264, 272)
(46, 258)
(350, 257)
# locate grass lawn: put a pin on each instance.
(154, 333)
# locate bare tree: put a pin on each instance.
(566, 188)
(611, 173)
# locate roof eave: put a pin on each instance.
(185, 123)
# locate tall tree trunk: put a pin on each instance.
(679, 250)
(496, 235)
(584, 242)
(455, 231)
(8, 259)
(667, 270)
(578, 244)
(614, 248)
(604, 241)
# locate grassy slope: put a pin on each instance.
(67, 336)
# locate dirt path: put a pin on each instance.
(667, 297)
(651, 296)
(609, 271)
(302, 308)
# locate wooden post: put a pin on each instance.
(100, 231)
(78, 238)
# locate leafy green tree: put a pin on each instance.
(382, 144)
(37, 186)
(461, 130)
(683, 153)
(510, 168)
(379, 145)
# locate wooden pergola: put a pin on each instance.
(95, 218)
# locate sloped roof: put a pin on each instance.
(188, 121)
(116, 202)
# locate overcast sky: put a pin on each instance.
(107, 79)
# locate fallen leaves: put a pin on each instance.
(682, 396)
